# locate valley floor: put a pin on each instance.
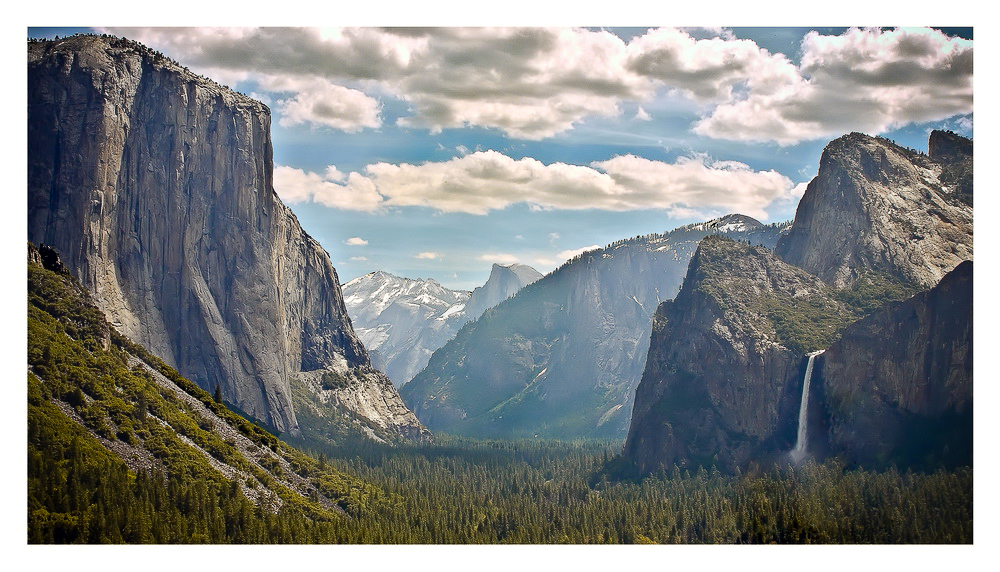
(527, 492)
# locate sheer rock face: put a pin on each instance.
(719, 387)
(505, 280)
(876, 206)
(898, 384)
(156, 186)
(562, 358)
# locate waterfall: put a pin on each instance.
(799, 452)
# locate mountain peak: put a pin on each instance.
(403, 320)
(562, 358)
(948, 146)
(876, 206)
(733, 222)
(505, 281)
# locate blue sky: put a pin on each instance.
(432, 153)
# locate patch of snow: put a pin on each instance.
(733, 227)
(457, 308)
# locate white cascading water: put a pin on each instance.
(799, 452)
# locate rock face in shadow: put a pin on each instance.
(898, 384)
(155, 185)
(721, 380)
(877, 207)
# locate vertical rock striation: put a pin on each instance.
(155, 184)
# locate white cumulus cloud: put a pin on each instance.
(489, 180)
(534, 83)
(863, 80)
(330, 105)
(567, 254)
(298, 186)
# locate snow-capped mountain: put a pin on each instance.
(728, 223)
(401, 321)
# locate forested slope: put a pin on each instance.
(121, 448)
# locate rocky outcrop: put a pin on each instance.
(156, 186)
(898, 384)
(505, 280)
(721, 380)
(562, 357)
(877, 207)
(954, 153)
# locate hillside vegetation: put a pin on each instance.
(121, 448)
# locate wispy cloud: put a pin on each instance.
(356, 241)
(499, 258)
(427, 255)
(567, 254)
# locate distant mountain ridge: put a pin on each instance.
(402, 320)
(563, 356)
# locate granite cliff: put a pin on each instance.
(898, 383)
(868, 274)
(505, 280)
(877, 207)
(155, 185)
(720, 382)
